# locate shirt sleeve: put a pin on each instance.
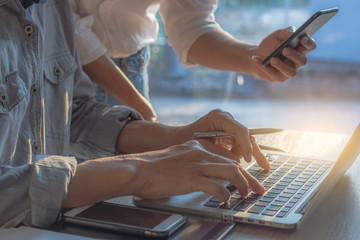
(185, 21)
(32, 194)
(89, 45)
(94, 126)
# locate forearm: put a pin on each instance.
(101, 179)
(219, 50)
(141, 136)
(109, 77)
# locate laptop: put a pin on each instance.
(295, 186)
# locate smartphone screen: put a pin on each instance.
(126, 219)
(122, 215)
(311, 26)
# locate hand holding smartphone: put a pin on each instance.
(126, 219)
(311, 26)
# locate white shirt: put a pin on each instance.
(122, 27)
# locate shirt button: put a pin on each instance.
(57, 71)
(33, 90)
(35, 147)
(3, 98)
(142, 61)
(28, 29)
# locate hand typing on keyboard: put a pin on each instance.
(285, 184)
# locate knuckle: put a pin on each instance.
(197, 152)
(292, 74)
(193, 144)
(304, 62)
(216, 111)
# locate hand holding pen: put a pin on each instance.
(252, 131)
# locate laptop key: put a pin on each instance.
(243, 206)
(214, 199)
(294, 200)
(281, 214)
(286, 195)
(269, 212)
(212, 204)
(302, 191)
(273, 208)
(255, 209)
(294, 187)
(286, 180)
(279, 187)
(285, 209)
(270, 195)
(290, 205)
(262, 204)
(278, 203)
(231, 204)
(270, 181)
(298, 184)
(236, 195)
(282, 183)
(289, 191)
(291, 176)
(266, 199)
(275, 191)
(231, 188)
(282, 199)
(298, 196)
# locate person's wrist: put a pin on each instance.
(143, 185)
(254, 57)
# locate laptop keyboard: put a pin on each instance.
(286, 183)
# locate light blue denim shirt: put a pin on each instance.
(47, 112)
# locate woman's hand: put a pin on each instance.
(281, 70)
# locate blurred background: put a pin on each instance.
(324, 96)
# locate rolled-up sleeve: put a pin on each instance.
(94, 126)
(185, 21)
(32, 194)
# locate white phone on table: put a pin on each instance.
(126, 219)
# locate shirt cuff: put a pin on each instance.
(48, 188)
(103, 137)
(182, 47)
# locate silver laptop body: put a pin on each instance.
(295, 185)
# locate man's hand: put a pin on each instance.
(241, 144)
(280, 71)
(188, 168)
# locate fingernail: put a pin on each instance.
(292, 29)
(263, 189)
(305, 39)
(275, 61)
(287, 51)
(255, 58)
(248, 157)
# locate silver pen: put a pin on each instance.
(252, 131)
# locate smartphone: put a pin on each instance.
(126, 219)
(314, 23)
